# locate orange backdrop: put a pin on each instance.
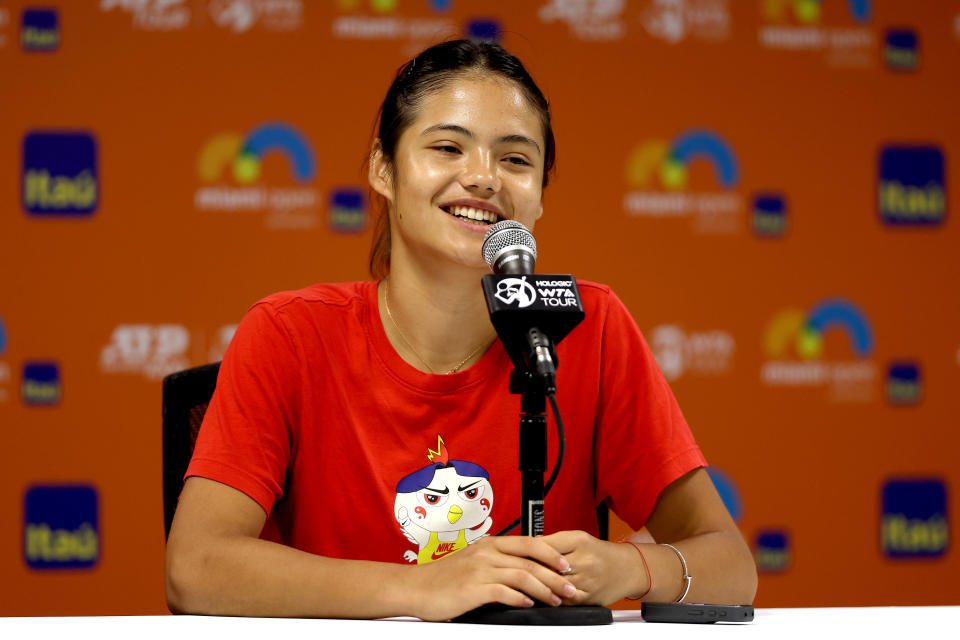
(766, 184)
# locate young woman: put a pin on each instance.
(360, 449)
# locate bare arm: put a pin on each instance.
(216, 564)
(689, 515)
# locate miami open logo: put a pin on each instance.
(795, 344)
(836, 28)
(659, 173)
(233, 167)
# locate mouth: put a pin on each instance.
(477, 216)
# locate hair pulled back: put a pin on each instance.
(431, 71)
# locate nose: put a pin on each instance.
(480, 173)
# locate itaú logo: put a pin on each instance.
(516, 291)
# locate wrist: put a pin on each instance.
(638, 581)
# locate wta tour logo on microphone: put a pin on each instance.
(516, 291)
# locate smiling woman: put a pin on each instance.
(307, 494)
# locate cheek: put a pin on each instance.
(484, 504)
(421, 513)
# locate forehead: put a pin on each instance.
(486, 105)
(449, 477)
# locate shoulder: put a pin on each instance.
(318, 298)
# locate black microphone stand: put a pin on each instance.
(534, 382)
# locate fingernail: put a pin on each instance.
(555, 600)
(564, 565)
(569, 590)
(527, 602)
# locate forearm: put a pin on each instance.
(720, 563)
(251, 577)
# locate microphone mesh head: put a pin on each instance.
(507, 233)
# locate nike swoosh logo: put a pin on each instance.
(437, 556)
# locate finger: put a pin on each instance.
(561, 586)
(535, 548)
(527, 583)
(564, 541)
(510, 597)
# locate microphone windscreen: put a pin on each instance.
(505, 234)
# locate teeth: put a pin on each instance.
(473, 214)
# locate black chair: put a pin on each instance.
(186, 395)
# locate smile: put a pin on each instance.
(478, 216)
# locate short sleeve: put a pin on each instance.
(246, 437)
(643, 442)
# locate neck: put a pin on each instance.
(437, 323)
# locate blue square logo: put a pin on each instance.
(484, 29)
(903, 383)
(914, 519)
(40, 30)
(769, 217)
(771, 549)
(348, 211)
(59, 174)
(40, 386)
(911, 189)
(61, 527)
(900, 50)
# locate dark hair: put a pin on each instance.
(429, 72)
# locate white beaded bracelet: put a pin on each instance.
(686, 575)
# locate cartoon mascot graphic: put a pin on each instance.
(444, 506)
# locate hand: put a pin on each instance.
(603, 572)
(509, 569)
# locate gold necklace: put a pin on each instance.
(386, 305)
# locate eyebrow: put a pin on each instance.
(468, 486)
(443, 491)
(455, 128)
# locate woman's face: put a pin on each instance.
(474, 150)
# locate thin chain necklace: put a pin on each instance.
(386, 305)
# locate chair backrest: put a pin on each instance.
(186, 395)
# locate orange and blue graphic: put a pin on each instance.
(486, 29)
(40, 385)
(809, 11)
(771, 550)
(769, 219)
(910, 186)
(903, 384)
(914, 521)
(40, 30)
(59, 174)
(244, 154)
(728, 491)
(669, 162)
(806, 330)
(348, 210)
(3, 337)
(61, 527)
(900, 51)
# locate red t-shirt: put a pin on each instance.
(318, 420)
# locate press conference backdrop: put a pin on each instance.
(767, 184)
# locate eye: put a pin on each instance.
(430, 499)
(446, 149)
(517, 160)
(473, 493)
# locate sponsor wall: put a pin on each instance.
(766, 184)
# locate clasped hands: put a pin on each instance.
(569, 567)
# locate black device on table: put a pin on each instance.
(695, 613)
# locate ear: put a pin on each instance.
(380, 174)
(540, 213)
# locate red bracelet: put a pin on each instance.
(645, 566)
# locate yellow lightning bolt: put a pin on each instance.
(431, 452)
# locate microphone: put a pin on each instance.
(530, 312)
(509, 248)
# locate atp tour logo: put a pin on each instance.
(61, 527)
(231, 158)
(795, 342)
(590, 20)
(516, 290)
(152, 15)
(914, 519)
(152, 351)
(59, 174)
(794, 25)
(910, 186)
(659, 174)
